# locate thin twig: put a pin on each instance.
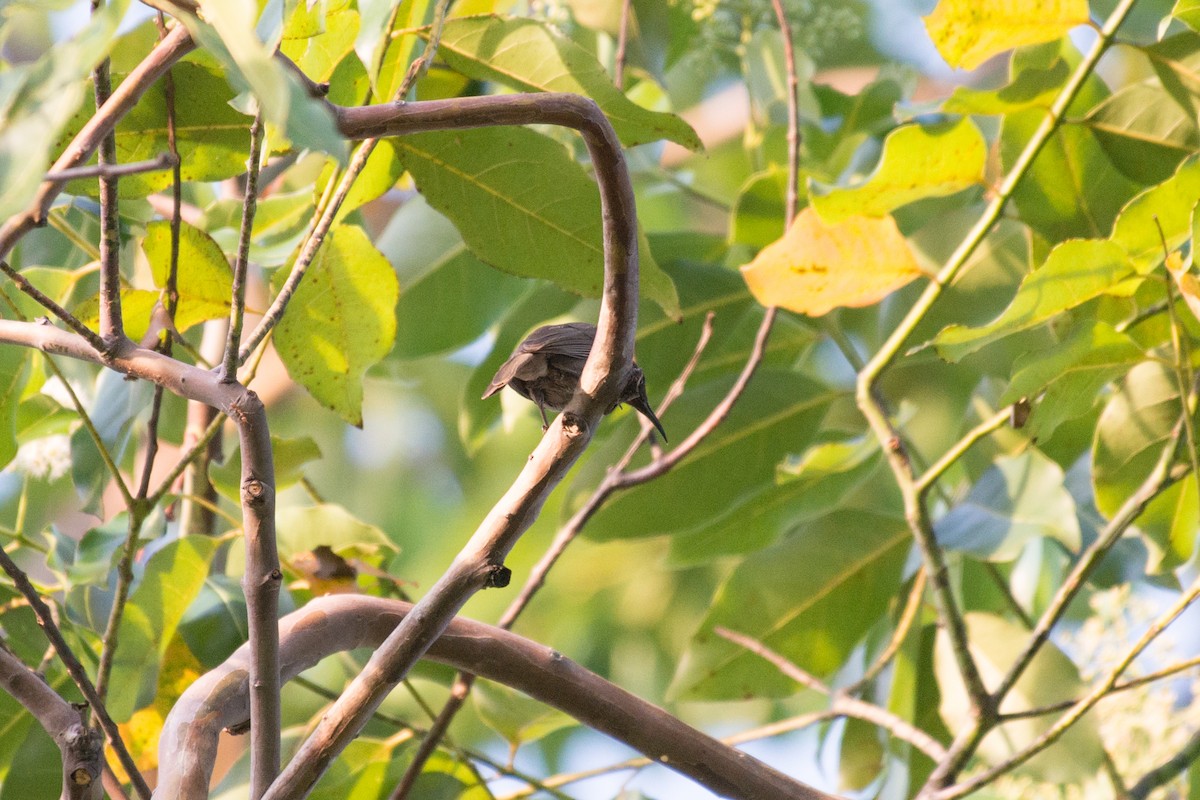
(793, 108)
(985, 428)
(841, 703)
(112, 629)
(111, 326)
(622, 42)
(1166, 772)
(54, 308)
(237, 308)
(76, 671)
(164, 161)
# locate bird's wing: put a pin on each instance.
(570, 339)
(508, 370)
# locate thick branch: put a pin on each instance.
(481, 561)
(342, 622)
(82, 748)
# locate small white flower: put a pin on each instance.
(48, 457)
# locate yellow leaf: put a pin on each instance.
(918, 161)
(815, 268)
(1188, 284)
(969, 32)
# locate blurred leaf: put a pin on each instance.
(449, 297)
(918, 161)
(860, 755)
(37, 100)
(386, 53)
(1160, 211)
(215, 624)
(1070, 375)
(1020, 498)
(1187, 12)
(228, 33)
(817, 267)
(114, 411)
(302, 529)
(759, 212)
(1051, 678)
(1130, 436)
(1185, 280)
(340, 321)
(318, 37)
(171, 581)
(1027, 87)
(524, 206)
(810, 598)
(968, 34)
(781, 415)
(1072, 189)
(528, 55)
(204, 280)
(289, 456)
(380, 174)
(825, 476)
(1143, 134)
(1075, 272)
(517, 718)
(14, 372)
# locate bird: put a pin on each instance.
(547, 365)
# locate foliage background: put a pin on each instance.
(786, 523)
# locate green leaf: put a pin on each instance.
(1187, 12)
(1020, 498)
(1075, 272)
(302, 529)
(528, 55)
(1072, 189)
(14, 372)
(204, 280)
(170, 583)
(450, 298)
(825, 477)
(229, 34)
(524, 206)
(317, 37)
(918, 162)
(1070, 375)
(380, 174)
(780, 416)
(1144, 134)
(340, 321)
(810, 598)
(288, 455)
(37, 100)
(758, 211)
(517, 718)
(212, 136)
(1051, 678)
(1161, 211)
(1030, 86)
(1133, 429)
(215, 624)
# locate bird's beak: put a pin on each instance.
(642, 405)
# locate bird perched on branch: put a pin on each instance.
(546, 368)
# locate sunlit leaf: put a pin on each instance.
(1144, 134)
(528, 55)
(816, 267)
(14, 371)
(204, 280)
(1028, 87)
(1075, 272)
(918, 161)
(1187, 12)
(523, 205)
(967, 32)
(340, 321)
(317, 38)
(1162, 211)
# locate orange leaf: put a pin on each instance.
(815, 268)
(1187, 282)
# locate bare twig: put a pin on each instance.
(54, 308)
(622, 42)
(842, 704)
(793, 106)
(111, 327)
(76, 671)
(237, 308)
(112, 630)
(164, 161)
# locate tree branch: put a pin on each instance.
(82, 748)
(481, 562)
(341, 622)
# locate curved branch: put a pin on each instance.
(480, 564)
(341, 622)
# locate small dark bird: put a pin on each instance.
(546, 367)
